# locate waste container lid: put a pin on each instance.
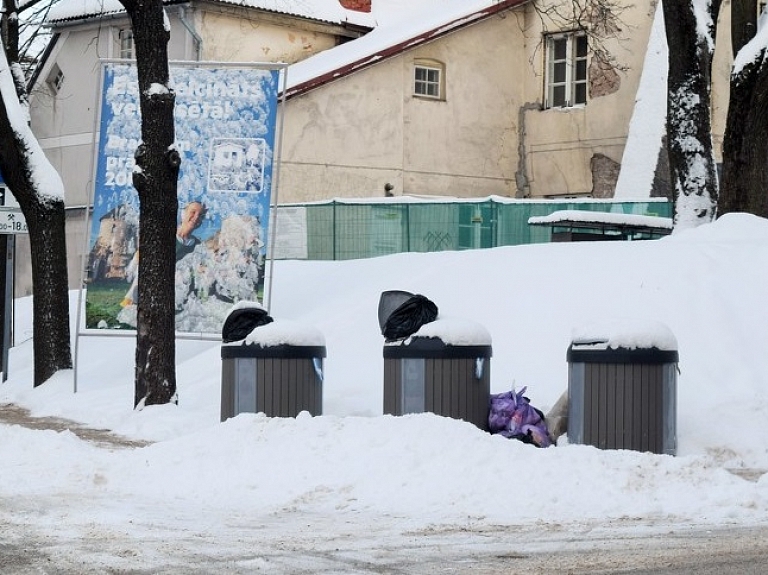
(445, 337)
(627, 340)
(621, 355)
(434, 348)
(389, 301)
(628, 333)
(455, 331)
(281, 333)
(255, 350)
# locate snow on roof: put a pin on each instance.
(399, 26)
(322, 10)
(76, 9)
(570, 216)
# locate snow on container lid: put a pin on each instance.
(626, 340)
(444, 337)
(281, 338)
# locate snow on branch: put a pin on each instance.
(754, 51)
(45, 179)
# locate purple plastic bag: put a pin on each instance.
(512, 415)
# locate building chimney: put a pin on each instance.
(357, 5)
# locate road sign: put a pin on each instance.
(12, 221)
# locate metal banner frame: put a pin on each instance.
(229, 174)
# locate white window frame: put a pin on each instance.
(125, 43)
(429, 80)
(566, 74)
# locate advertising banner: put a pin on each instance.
(225, 133)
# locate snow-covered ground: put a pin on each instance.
(259, 494)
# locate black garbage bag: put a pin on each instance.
(242, 321)
(406, 319)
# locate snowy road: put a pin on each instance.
(58, 534)
(264, 548)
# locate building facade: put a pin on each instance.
(515, 98)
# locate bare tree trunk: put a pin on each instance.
(743, 23)
(50, 323)
(689, 126)
(47, 238)
(745, 146)
(155, 180)
(25, 170)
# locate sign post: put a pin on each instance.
(11, 222)
(7, 244)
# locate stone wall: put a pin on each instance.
(605, 174)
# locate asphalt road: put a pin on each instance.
(722, 552)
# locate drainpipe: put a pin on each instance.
(196, 38)
(521, 176)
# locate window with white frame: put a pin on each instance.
(429, 79)
(566, 79)
(126, 43)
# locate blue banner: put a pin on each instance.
(225, 133)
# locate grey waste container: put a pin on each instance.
(427, 374)
(278, 379)
(622, 397)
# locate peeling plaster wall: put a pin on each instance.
(605, 174)
(561, 142)
(232, 38)
(356, 134)
(375, 132)
(466, 145)
(344, 139)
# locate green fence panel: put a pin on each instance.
(320, 232)
(477, 225)
(513, 223)
(341, 230)
(433, 227)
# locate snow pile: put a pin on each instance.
(353, 477)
